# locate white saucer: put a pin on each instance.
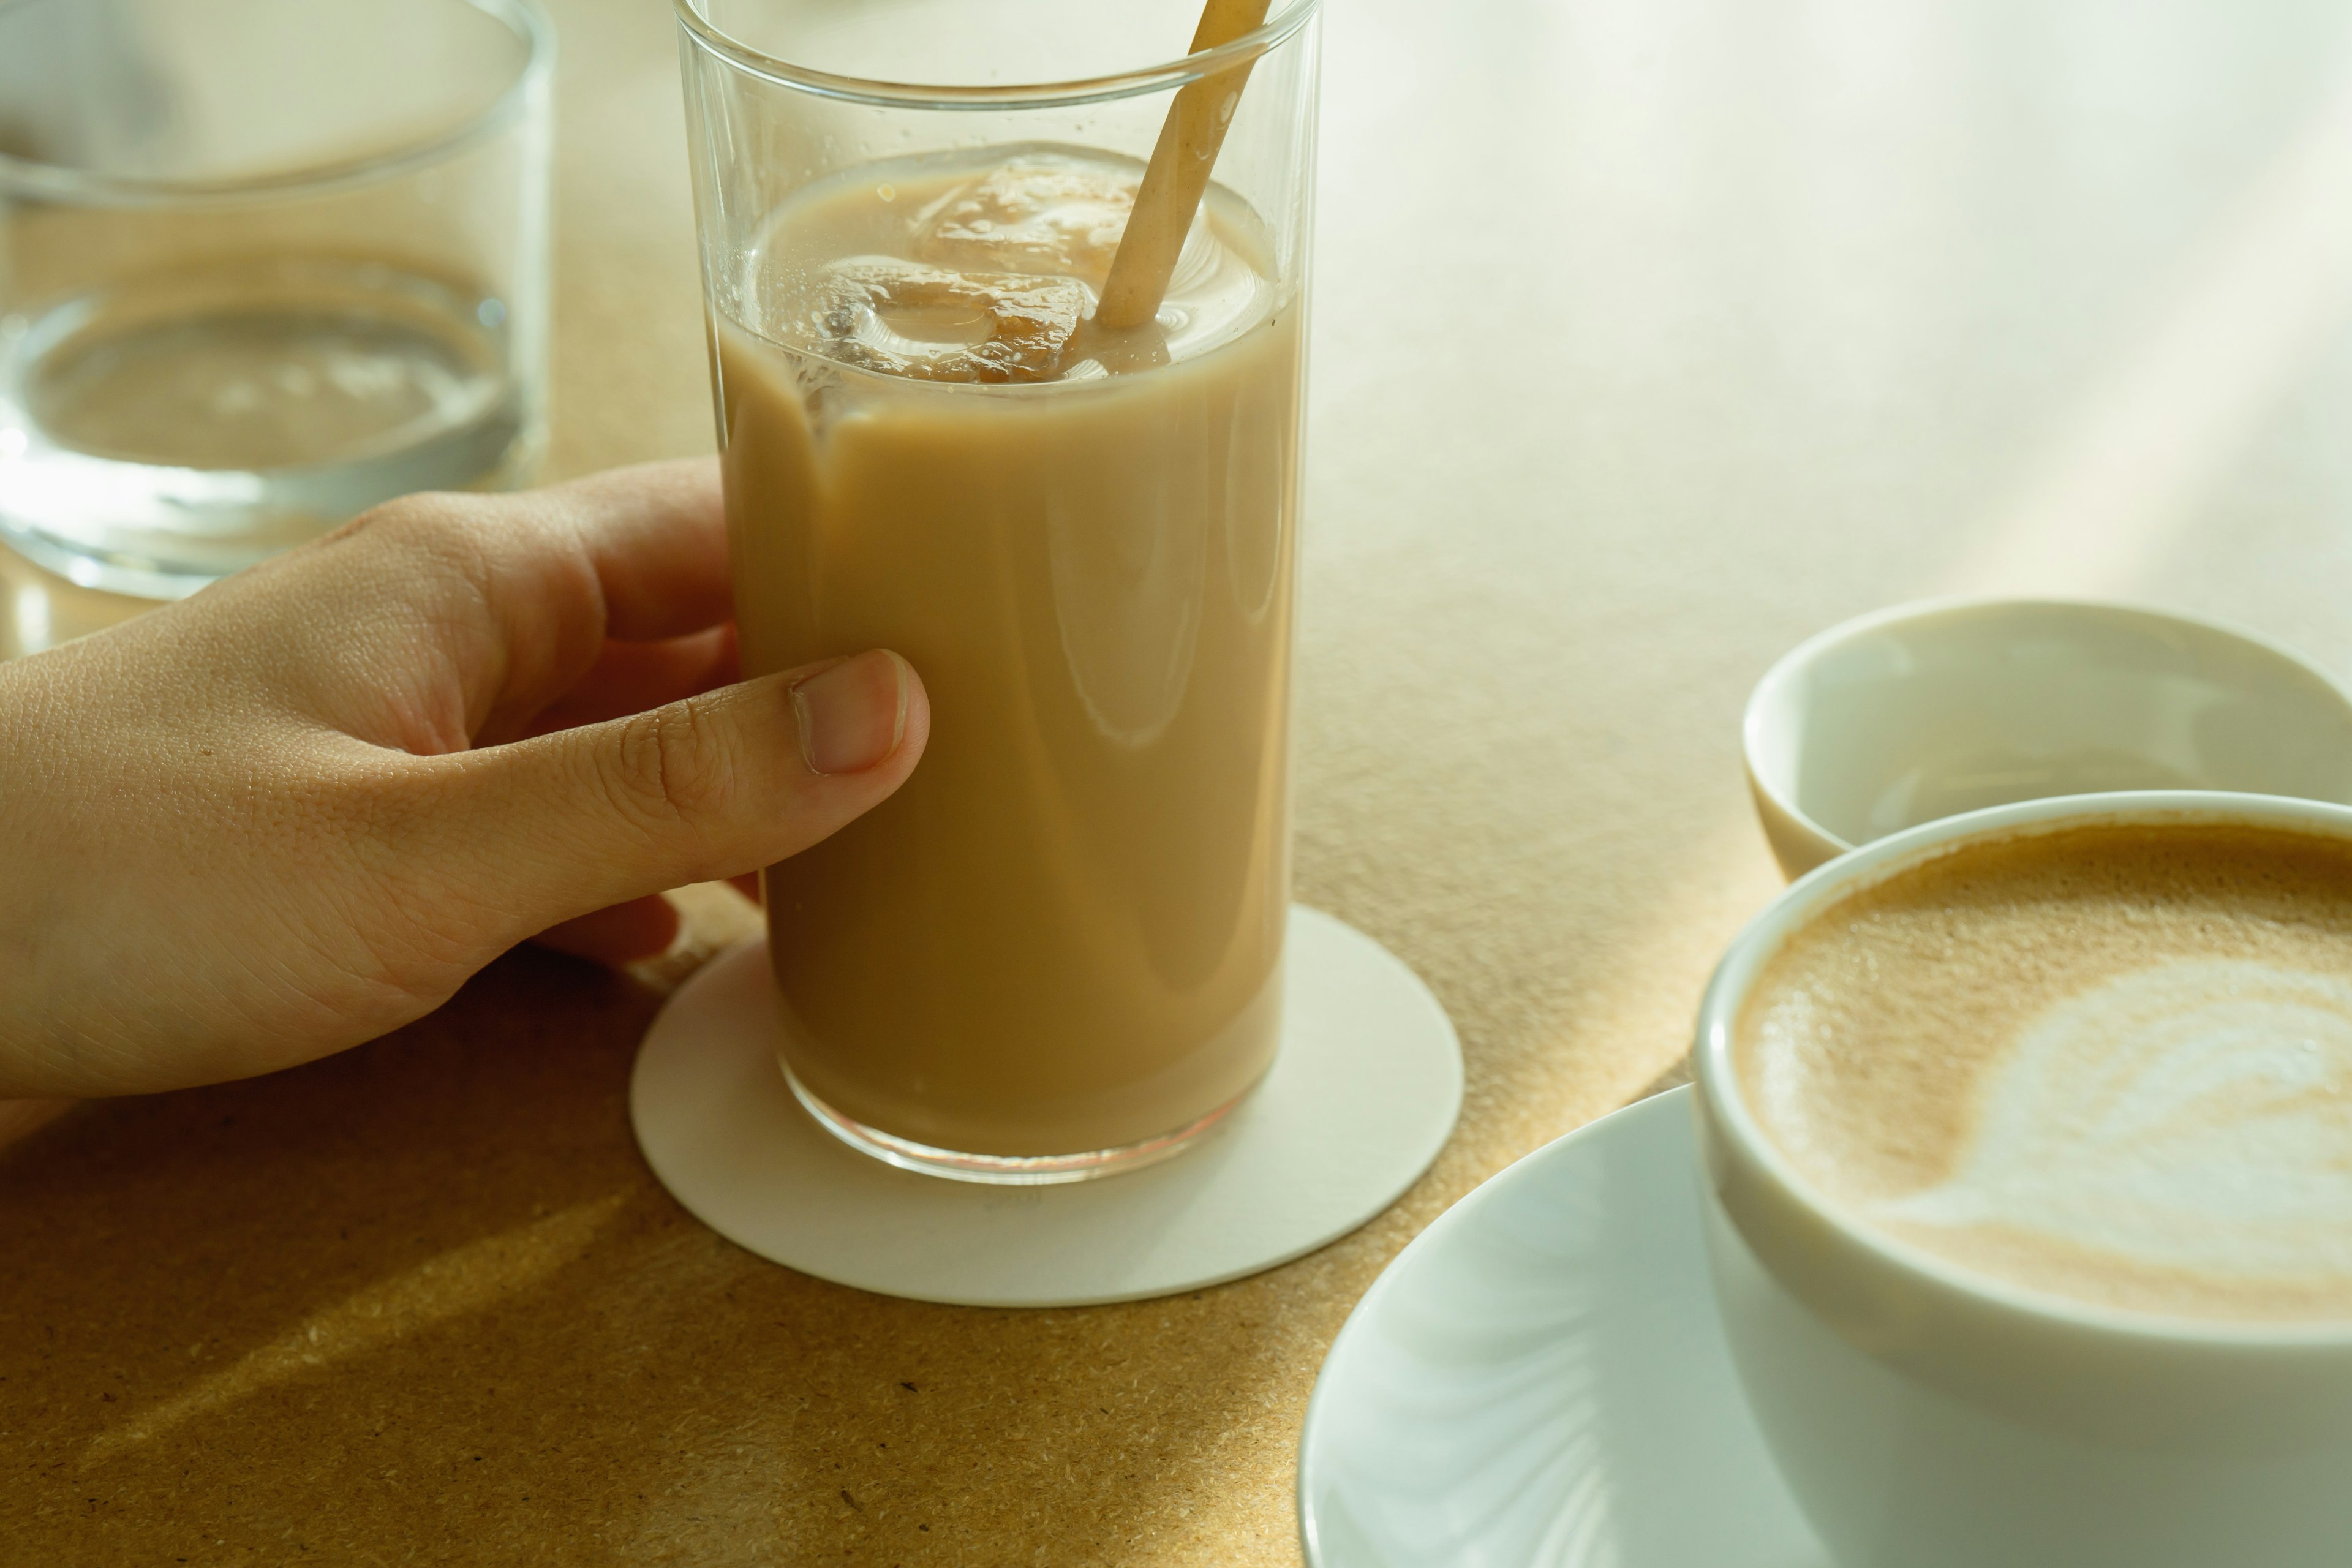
(1359, 1102)
(1541, 1379)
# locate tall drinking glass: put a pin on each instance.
(1057, 951)
(263, 263)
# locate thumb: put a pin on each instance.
(547, 829)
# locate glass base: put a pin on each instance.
(1002, 1170)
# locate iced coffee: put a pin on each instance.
(1063, 935)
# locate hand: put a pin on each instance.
(302, 807)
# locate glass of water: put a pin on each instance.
(263, 264)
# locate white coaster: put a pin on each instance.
(1359, 1099)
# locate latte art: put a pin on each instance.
(2114, 1063)
(2195, 1117)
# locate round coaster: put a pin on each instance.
(1359, 1099)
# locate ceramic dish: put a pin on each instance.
(1541, 1379)
(1926, 711)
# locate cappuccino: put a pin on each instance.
(2109, 1062)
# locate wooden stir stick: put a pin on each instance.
(1178, 174)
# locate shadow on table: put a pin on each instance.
(423, 1302)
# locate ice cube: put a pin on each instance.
(1037, 213)
(933, 324)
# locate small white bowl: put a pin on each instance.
(1929, 710)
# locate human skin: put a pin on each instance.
(302, 807)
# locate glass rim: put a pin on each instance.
(1181, 72)
(83, 187)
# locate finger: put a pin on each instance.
(631, 676)
(549, 828)
(642, 928)
(748, 885)
(522, 592)
(655, 537)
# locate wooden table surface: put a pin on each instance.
(1650, 336)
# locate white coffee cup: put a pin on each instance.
(1927, 709)
(1928, 1416)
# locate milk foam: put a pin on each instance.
(2195, 1116)
(942, 267)
(2107, 1061)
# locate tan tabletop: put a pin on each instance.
(1648, 338)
